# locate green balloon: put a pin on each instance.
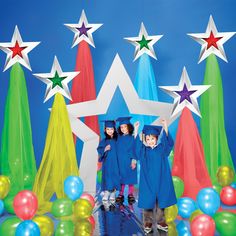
(225, 223)
(65, 228)
(8, 204)
(99, 176)
(178, 185)
(62, 207)
(8, 227)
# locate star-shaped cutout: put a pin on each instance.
(185, 94)
(17, 50)
(57, 80)
(144, 43)
(212, 41)
(83, 30)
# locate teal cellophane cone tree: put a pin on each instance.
(213, 132)
(17, 152)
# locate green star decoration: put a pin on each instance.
(144, 42)
(56, 80)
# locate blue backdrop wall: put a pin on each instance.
(43, 21)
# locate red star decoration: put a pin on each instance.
(212, 40)
(16, 50)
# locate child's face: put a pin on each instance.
(151, 140)
(124, 129)
(109, 131)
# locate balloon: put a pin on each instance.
(203, 225)
(92, 221)
(8, 227)
(186, 206)
(170, 213)
(4, 186)
(172, 231)
(82, 209)
(233, 185)
(225, 175)
(194, 214)
(228, 196)
(83, 227)
(217, 188)
(27, 228)
(73, 187)
(65, 228)
(89, 198)
(45, 225)
(99, 176)
(225, 223)
(178, 186)
(25, 205)
(183, 229)
(208, 201)
(8, 204)
(1, 207)
(62, 207)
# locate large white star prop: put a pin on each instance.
(17, 50)
(212, 41)
(144, 43)
(117, 77)
(83, 30)
(185, 94)
(56, 80)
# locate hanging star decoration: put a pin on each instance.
(212, 41)
(17, 50)
(83, 30)
(185, 94)
(144, 43)
(57, 81)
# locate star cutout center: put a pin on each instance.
(185, 94)
(212, 41)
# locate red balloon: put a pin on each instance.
(88, 197)
(25, 204)
(228, 196)
(203, 225)
(92, 221)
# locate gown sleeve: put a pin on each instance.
(100, 150)
(167, 142)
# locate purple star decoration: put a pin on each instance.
(83, 30)
(185, 94)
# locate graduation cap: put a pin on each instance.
(124, 120)
(152, 130)
(109, 123)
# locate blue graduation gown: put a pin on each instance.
(156, 183)
(110, 169)
(125, 155)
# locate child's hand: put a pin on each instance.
(165, 126)
(133, 165)
(107, 148)
(136, 125)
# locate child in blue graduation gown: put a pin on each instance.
(108, 156)
(156, 190)
(128, 173)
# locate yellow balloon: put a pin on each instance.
(172, 231)
(83, 228)
(4, 186)
(225, 175)
(194, 214)
(45, 225)
(171, 213)
(82, 209)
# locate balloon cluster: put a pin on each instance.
(4, 190)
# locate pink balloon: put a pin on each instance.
(25, 204)
(92, 221)
(203, 225)
(228, 196)
(88, 197)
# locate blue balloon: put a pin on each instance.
(73, 187)
(1, 207)
(233, 185)
(27, 228)
(186, 206)
(208, 201)
(183, 229)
